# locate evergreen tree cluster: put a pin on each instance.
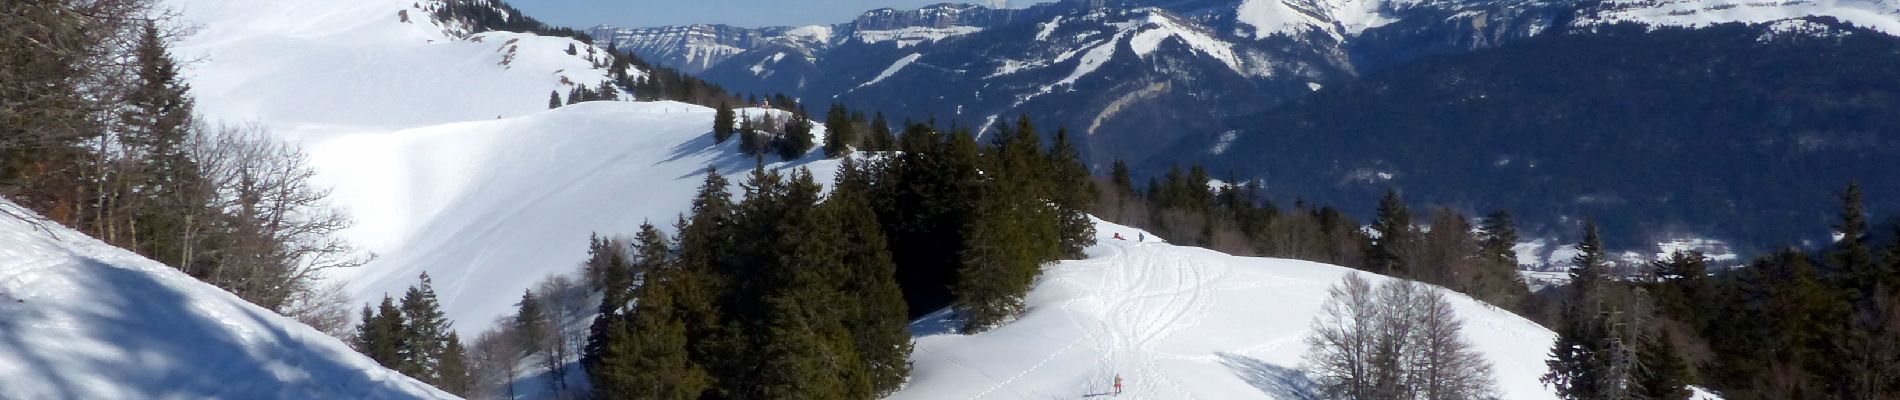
(789, 138)
(1235, 218)
(1789, 325)
(495, 15)
(580, 94)
(792, 294)
(414, 338)
(786, 294)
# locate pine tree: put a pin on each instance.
(158, 127)
(809, 351)
(840, 132)
(1682, 285)
(616, 289)
(878, 325)
(427, 332)
(798, 138)
(751, 141)
(1854, 269)
(881, 135)
(554, 99)
(722, 123)
(1386, 254)
(453, 375)
(1004, 241)
(1592, 358)
(381, 336)
(1663, 375)
(1497, 280)
(1124, 182)
(1073, 192)
(531, 325)
(650, 357)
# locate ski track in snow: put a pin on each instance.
(1177, 323)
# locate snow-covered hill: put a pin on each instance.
(80, 319)
(1177, 323)
(440, 146)
(319, 67)
(487, 208)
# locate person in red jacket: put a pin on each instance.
(1118, 236)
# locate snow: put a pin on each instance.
(80, 319)
(1161, 28)
(321, 67)
(1176, 323)
(1880, 15)
(914, 35)
(1337, 18)
(1048, 28)
(892, 70)
(1092, 59)
(447, 160)
(490, 207)
(1226, 140)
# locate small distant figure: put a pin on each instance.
(1142, 235)
(1118, 384)
(1118, 236)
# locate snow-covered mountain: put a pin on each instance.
(80, 319)
(1088, 63)
(440, 144)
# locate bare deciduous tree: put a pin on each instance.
(1402, 341)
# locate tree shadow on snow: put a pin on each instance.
(161, 345)
(940, 322)
(1273, 380)
(728, 160)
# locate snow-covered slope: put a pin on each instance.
(441, 147)
(80, 319)
(1177, 323)
(323, 67)
(487, 208)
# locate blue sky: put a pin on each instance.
(752, 13)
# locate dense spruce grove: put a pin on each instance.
(787, 291)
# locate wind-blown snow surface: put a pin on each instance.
(1177, 323)
(488, 208)
(442, 148)
(318, 67)
(83, 320)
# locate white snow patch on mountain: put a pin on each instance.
(1159, 28)
(1880, 15)
(1048, 28)
(892, 70)
(1337, 18)
(1092, 59)
(914, 35)
(80, 319)
(1176, 323)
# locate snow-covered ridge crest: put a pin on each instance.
(80, 319)
(317, 67)
(1880, 15)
